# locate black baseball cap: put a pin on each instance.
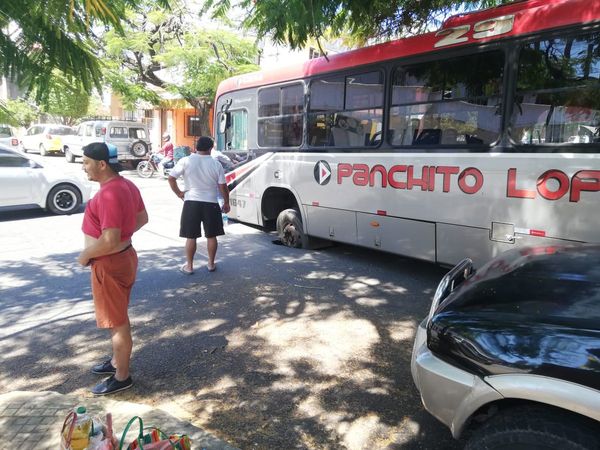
(101, 151)
(204, 144)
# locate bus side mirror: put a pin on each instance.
(224, 122)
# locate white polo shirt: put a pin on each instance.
(201, 175)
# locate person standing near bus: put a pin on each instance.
(203, 177)
(111, 217)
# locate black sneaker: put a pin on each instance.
(111, 385)
(104, 368)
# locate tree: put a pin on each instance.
(37, 37)
(65, 100)
(167, 50)
(18, 113)
(293, 22)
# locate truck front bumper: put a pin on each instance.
(449, 393)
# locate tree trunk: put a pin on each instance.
(203, 110)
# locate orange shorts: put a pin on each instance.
(112, 279)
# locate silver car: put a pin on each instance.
(130, 137)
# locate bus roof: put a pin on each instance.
(529, 16)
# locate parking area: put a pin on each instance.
(279, 348)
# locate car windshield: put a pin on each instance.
(5, 131)
(61, 131)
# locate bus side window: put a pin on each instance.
(429, 136)
(346, 111)
(280, 120)
(445, 102)
(557, 98)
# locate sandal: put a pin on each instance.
(211, 269)
(183, 270)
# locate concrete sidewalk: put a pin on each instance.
(33, 420)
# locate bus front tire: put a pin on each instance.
(290, 229)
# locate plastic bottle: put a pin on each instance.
(82, 430)
(223, 215)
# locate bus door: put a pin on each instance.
(232, 152)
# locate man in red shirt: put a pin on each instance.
(167, 151)
(111, 217)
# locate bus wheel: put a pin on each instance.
(290, 230)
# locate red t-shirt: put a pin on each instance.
(116, 205)
(167, 150)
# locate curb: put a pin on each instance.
(33, 420)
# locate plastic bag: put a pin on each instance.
(104, 438)
(101, 438)
(153, 439)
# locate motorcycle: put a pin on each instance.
(148, 167)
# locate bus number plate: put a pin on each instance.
(481, 30)
(238, 203)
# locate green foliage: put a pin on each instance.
(65, 99)
(294, 22)
(163, 50)
(37, 37)
(205, 59)
(124, 83)
(18, 113)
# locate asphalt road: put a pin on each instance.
(277, 349)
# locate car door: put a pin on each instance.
(17, 179)
(118, 135)
(77, 141)
(28, 138)
(88, 134)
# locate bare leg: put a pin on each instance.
(211, 246)
(190, 251)
(122, 345)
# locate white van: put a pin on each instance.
(131, 138)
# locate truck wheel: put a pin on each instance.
(70, 157)
(290, 230)
(63, 199)
(534, 428)
(139, 149)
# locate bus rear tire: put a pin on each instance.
(290, 229)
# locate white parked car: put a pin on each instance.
(24, 182)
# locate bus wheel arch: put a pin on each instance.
(291, 230)
(274, 201)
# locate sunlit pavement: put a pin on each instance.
(279, 348)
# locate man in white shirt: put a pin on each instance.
(202, 175)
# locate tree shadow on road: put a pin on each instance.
(279, 348)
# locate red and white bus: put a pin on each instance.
(468, 141)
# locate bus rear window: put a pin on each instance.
(557, 92)
(453, 102)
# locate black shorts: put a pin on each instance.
(195, 213)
